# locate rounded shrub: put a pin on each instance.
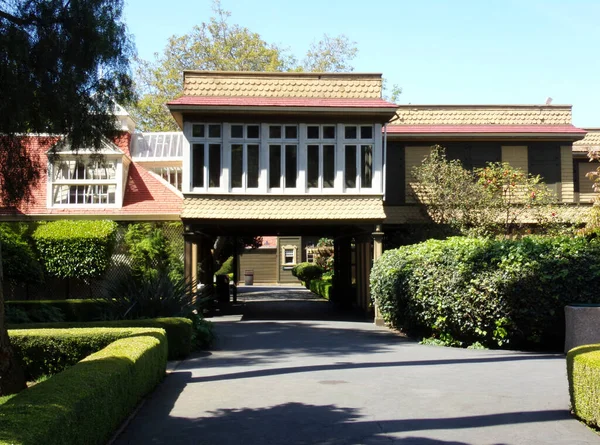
(307, 271)
(496, 292)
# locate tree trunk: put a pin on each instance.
(12, 379)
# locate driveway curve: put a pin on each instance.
(287, 370)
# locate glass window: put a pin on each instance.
(366, 161)
(237, 131)
(214, 165)
(237, 165)
(328, 166)
(350, 166)
(274, 131)
(291, 165)
(214, 131)
(291, 132)
(253, 166)
(312, 132)
(253, 131)
(198, 130)
(350, 132)
(274, 166)
(329, 132)
(312, 167)
(198, 165)
(366, 132)
(288, 256)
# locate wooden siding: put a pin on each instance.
(262, 261)
(516, 156)
(284, 271)
(413, 156)
(567, 193)
(586, 192)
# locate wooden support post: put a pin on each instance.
(187, 258)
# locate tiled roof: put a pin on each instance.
(283, 208)
(255, 84)
(145, 193)
(227, 101)
(268, 242)
(504, 129)
(590, 141)
(483, 115)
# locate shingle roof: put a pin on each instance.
(255, 84)
(218, 207)
(227, 101)
(495, 129)
(590, 141)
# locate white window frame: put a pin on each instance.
(283, 142)
(294, 250)
(358, 142)
(207, 141)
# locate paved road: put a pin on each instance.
(294, 373)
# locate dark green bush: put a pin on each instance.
(75, 249)
(321, 287)
(18, 259)
(87, 402)
(179, 331)
(47, 310)
(226, 268)
(496, 292)
(583, 371)
(307, 271)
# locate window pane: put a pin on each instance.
(198, 130)
(328, 132)
(274, 166)
(253, 167)
(291, 132)
(198, 165)
(328, 166)
(366, 132)
(237, 164)
(288, 256)
(237, 131)
(350, 133)
(312, 173)
(366, 161)
(291, 166)
(214, 131)
(312, 132)
(253, 132)
(275, 131)
(214, 165)
(350, 166)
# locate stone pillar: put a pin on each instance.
(377, 252)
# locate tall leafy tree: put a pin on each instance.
(218, 45)
(63, 65)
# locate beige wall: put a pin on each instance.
(285, 271)
(516, 156)
(567, 190)
(586, 192)
(262, 261)
(413, 157)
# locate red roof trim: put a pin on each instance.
(486, 129)
(227, 101)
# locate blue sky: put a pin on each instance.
(438, 51)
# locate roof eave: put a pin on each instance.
(536, 135)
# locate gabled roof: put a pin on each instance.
(591, 141)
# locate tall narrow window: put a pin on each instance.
(198, 165)
(350, 166)
(237, 165)
(214, 164)
(274, 166)
(366, 161)
(291, 166)
(253, 166)
(312, 167)
(328, 166)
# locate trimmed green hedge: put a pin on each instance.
(307, 271)
(88, 401)
(178, 331)
(321, 287)
(73, 309)
(495, 292)
(75, 249)
(583, 370)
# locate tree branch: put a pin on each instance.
(16, 20)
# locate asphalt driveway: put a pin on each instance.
(295, 372)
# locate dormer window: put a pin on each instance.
(84, 181)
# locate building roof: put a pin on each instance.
(591, 141)
(287, 102)
(486, 129)
(268, 242)
(157, 146)
(146, 194)
(325, 208)
(274, 84)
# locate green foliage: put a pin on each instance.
(18, 259)
(331, 54)
(495, 292)
(203, 334)
(322, 287)
(493, 200)
(226, 267)
(583, 372)
(180, 332)
(54, 310)
(87, 402)
(152, 252)
(76, 249)
(307, 271)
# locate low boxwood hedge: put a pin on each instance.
(495, 292)
(72, 310)
(583, 370)
(88, 401)
(307, 271)
(321, 287)
(178, 330)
